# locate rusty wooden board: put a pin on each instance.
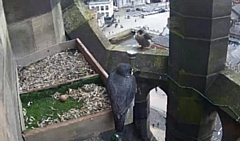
(59, 84)
(85, 127)
(92, 61)
(41, 54)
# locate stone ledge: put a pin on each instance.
(224, 93)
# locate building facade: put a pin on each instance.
(100, 19)
(127, 3)
(103, 7)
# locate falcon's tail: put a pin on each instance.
(119, 122)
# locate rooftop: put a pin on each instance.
(99, 1)
(235, 30)
(236, 9)
(161, 40)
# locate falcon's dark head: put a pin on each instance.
(140, 31)
(133, 32)
(124, 69)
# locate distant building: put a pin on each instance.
(235, 32)
(235, 14)
(100, 19)
(160, 42)
(103, 7)
(234, 2)
(126, 3)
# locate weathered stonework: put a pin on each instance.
(197, 54)
(10, 127)
(35, 27)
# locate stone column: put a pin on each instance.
(33, 25)
(142, 108)
(198, 46)
(141, 111)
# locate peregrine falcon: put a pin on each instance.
(121, 87)
(142, 38)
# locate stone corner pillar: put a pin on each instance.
(198, 47)
(142, 108)
(33, 25)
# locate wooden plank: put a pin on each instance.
(59, 84)
(92, 61)
(41, 54)
(84, 127)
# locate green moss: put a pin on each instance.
(43, 105)
(188, 105)
(76, 15)
(160, 62)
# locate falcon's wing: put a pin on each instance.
(133, 92)
(121, 91)
(147, 36)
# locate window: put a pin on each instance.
(102, 8)
(97, 8)
(107, 14)
(106, 7)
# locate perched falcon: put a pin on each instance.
(121, 87)
(142, 38)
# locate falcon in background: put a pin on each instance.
(142, 37)
(121, 88)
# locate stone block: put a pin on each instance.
(217, 55)
(202, 28)
(197, 56)
(196, 27)
(201, 8)
(142, 128)
(76, 15)
(175, 50)
(194, 57)
(220, 23)
(221, 8)
(141, 109)
(43, 31)
(10, 127)
(21, 38)
(17, 11)
(58, 23)
(194, 81)
(173, 73)
(172, 103)
(225, 91)
(37, 33)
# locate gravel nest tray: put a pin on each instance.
(68, 65)
(47, 109)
